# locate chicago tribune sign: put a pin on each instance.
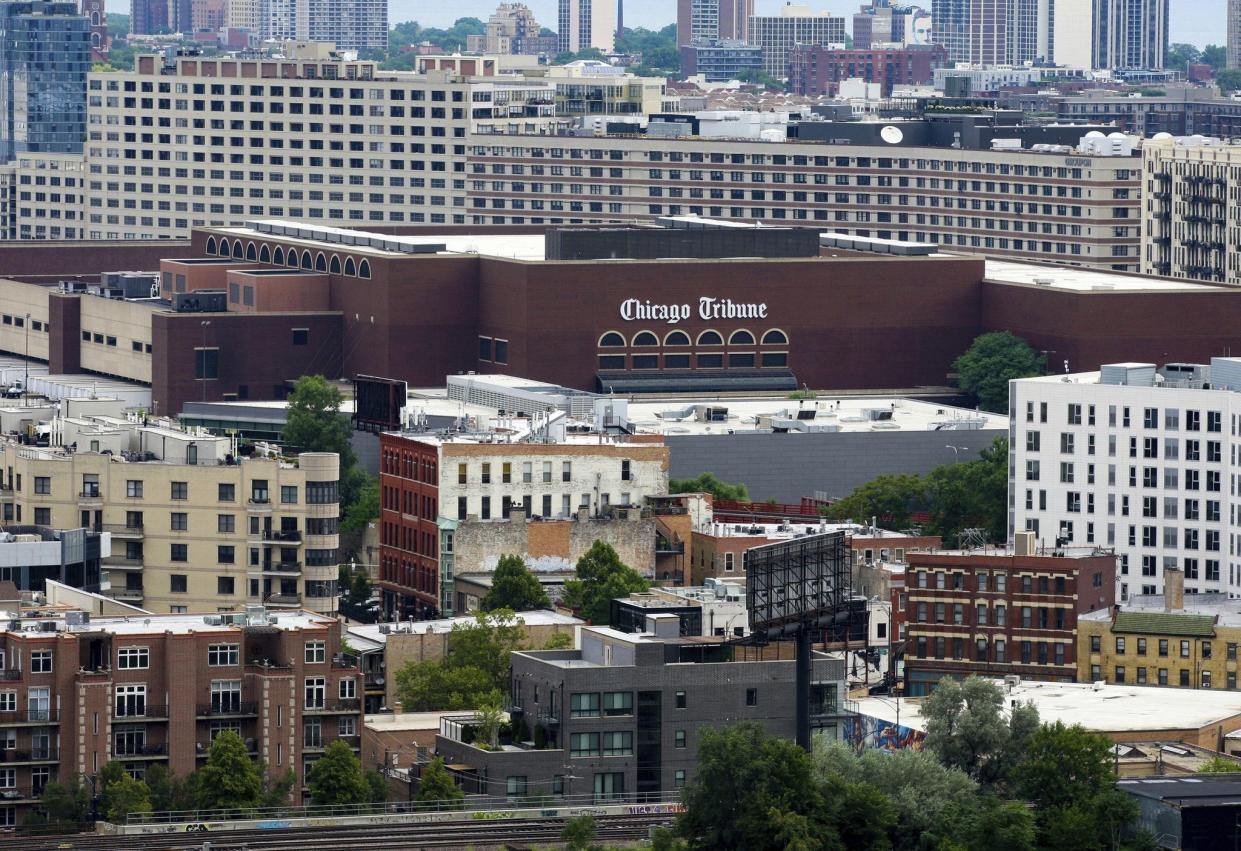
(708, 309)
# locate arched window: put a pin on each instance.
(741, 338)
(645, 338)
(237, 249)
(94, 18)
(225, 248)
(611, 339)
(94, 39)
(364, 269)
(775, 337)
(710, 338)
(264, 253)
(277, 256)
(334, 266)
(349, 268)
(307, 263)
(320, 262)
(251, 254)
(676, 338)
(211, 245)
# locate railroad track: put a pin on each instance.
(386, 837)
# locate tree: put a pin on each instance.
(486, 644)
(1180, 54)
(230, 780)
(928, 797)
(965, 729)
(579, 833)
(514, 586)
(890, 498)
(1228, 80)
(436, 786)
(64, 806)
(126, 796)
(376, 787)
(434, 686)
(756, 792)
(973, 494)
(993, 360)
(757, 75)
(109, 776)
(559, 640)
(313, 423)
(363, 510)
(276, 788)
(487, 725)
(1219, 765)
(708, 483)
(601, 576)
(168, 791)
(1215, 55)
(990, 822)
(337, 778)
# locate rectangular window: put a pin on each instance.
(41, 661)
(227, 493)
(584, 744)
(131, 700)
(221, 655)
(180, 490)
(584, 705)
(178, 552)
(133, 658)
(316, 690)
(315, 651)
(617, 703)
(618, 743)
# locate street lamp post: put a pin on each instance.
(956, 451)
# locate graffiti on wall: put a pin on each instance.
(863, 732)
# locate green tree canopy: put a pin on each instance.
(514, 586)
(1219, 765)
(1180, 54)
(966, 729)
(601, 576)
(1215, 55)
(486, 644)
(890, 498)
(1228, 79)
(364, 509)
(436, 785)
(313, 422)
(708, 483)
(993, 360)
(337, 778)
(376, 787)
(64, 806)
(579, 833)
(168, 791)
(230, 780)
(972, 494)
(127, 795)
(431, 686)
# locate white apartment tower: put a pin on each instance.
(585, 24)
(1137, 458)
(778, 34)
(1130, 33)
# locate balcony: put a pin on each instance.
(30, 716)
(10, 674)
(30, 756)
(122, 561)
(228, 709)
(127, 594)
(345, 706)
(149, 714)
(124, 531)
(289, 536)
(259, 503)
(159, 751)
(90, 496)
(283, 600)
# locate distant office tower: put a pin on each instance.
(243, 15)
(207, 15)
(150, 16)
(99, 43)
(585, 24)
(974, 31)
(1234, 33)
(44, 58)
(778, 34)
(713, 20)
(348, 24)
(1131, 33)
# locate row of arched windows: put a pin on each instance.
(740, 337)
(319, 262)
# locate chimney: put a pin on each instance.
(1023, 543)
(1173, 589)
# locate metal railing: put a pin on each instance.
(33, 755)
(228, 708)
(349, 704)
(291, 536)
(34, 716)
(473, 803)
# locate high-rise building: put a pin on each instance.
(973, 31)
(1133, 457)
(149, 16)
(1187, 214)
(778, 34)
(1130, 33)
(99, 41)
(45, 55)
(1234, 33)
(347, 24)
(701, 21)
(207, 15)
(585, 24)
(513, 30)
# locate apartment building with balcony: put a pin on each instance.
(532, 466)
(193, 526)
(620, 718)
(1018, 203)
(78, 691)
(1135, 457)
(998, 613)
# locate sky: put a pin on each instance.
(1198, 22)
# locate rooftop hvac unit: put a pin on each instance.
(77, 617)
(213, 620)
(385, 629)
(48, 626)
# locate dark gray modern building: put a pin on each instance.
(44, 58)
(620, 719)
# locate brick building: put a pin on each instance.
(818, 70)
(429, 482)
(994, 614)
(77, 692)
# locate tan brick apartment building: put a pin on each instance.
(77, 692)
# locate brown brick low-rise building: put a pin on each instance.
(78, 692)
(1000, 613)
(818, 69)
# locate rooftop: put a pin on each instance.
(1083, 280)
(1105, 709)
(1148, 613)
(375, 631)
(32, 622)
